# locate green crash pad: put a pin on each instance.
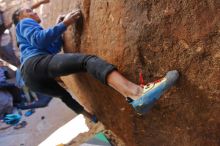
(98, 140)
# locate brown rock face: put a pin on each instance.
(154, 36)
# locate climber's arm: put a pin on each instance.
(37, 4)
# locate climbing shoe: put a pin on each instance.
(152, 92)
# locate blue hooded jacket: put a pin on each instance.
(34, 40)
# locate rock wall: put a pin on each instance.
(153, 36)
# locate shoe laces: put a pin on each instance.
(150, 85)
(147, 87)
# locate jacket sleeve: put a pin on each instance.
(55, 46)
(39, 37)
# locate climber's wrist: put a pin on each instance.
(67, 22)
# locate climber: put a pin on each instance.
(41, 64)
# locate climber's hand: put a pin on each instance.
(45, 1)
(72, 17)
(60, 18)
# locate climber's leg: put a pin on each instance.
(64, 64)
(69, 63)
(124, 86)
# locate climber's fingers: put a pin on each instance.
(72, 17)
(60, 18)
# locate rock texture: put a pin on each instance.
(153, 36)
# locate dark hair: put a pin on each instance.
(15, 16)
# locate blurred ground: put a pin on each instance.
(55, 116)
(37, 129)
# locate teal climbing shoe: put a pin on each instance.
(153, 91)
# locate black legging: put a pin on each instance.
(39, 73)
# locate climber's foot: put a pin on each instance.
(153, 91)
